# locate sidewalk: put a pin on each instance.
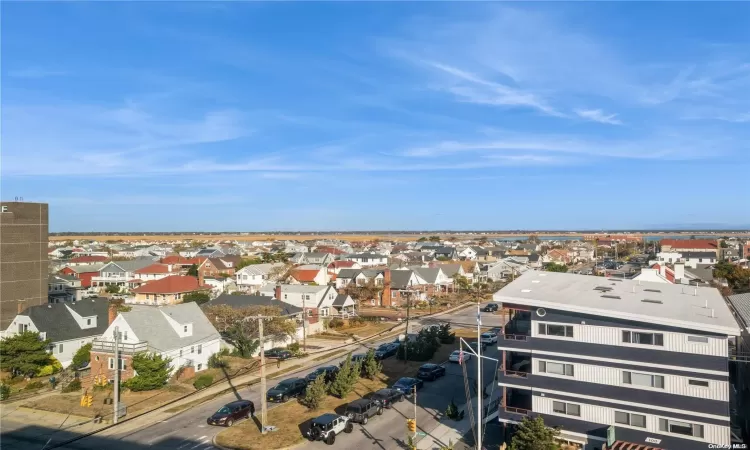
(450, 430)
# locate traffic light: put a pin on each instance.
(87, 400)
(411, 425)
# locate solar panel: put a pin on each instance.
(646, 300)
(611, 296)
(652, 290)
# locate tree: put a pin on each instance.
(315, 393)
(532, 434)
(24, 353)
(461, 282)
(371, 366)
(553, 267)
(82, 356)
(112, 289)
(738, 278)
(240, 329)
(198, 297)
(422, 239)
(152, 370)
(434, 238)
(248, 262)
(723, 244)
(346, 378)
(534, 238)
(193, 270)
(280, 272)
(445, 335)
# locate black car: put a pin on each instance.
(386, 350)
(491, 307)
(362, 409)
(231, 412)
(360, 357)
(328, 371)
(278, 353)
(282, 392)
(387, 397)
(430, 372)
(407, 384)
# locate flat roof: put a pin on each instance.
(683, 306)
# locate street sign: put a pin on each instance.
(419, 433)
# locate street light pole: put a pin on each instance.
(480, 391)
(116, 402)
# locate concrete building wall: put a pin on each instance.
(24, 236)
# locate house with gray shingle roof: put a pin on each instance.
(180, 332)
(69, 325)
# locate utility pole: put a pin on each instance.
(263, 402)
(304, 326)
(415, 412)
(116, 402)
(480, 391)
(406, 340)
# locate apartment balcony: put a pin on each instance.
(517, 330)
(516, 405)
(516, 368)
(125, 348)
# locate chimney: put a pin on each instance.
(112, 313)
(679, 271)
(169, 268)
(200, 278)
(277, 292)
(386, 299)
(21, 304)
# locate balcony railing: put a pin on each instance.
(515, 337)
(513, 410)
(109, 347)
(514, 373)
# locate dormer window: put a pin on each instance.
(88, 321)
(184, 329)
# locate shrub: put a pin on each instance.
(203, 381)
(4, 391)
(73, 386)
(216, 361)
(293, 347)
(335, 323)
(50, 369)
(152, 370)
(356, 321)
(371, 367)
(34, 385)
(346, 378)
(82, 356)
(315, 393)
(445, 335)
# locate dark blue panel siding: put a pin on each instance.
(514, 344)
(626, 354)
(571, 397)
(621, 434)
(556, 315)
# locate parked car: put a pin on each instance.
(430, 372)
(490, 307)
(457, 356)
(329, 372)
(282, 392)
(278, 353)
(387, 397)
(362, 409)
(489, 338)
(386, 350)
(407, 385)
(231, 412)
(521, 366)
(355, 359)
(326, 427)
(475, 347)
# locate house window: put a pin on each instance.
(184, 329)
(96, 358)
(88, 321)
(683, 428)
(634, 420)
(556, 330)
(180, 353)
(284, 296)
(125, 335)
(393, 294)
(23, 327)
(636, 337)
(200, 366)
(148, 297)
(698, 339)
(570, 409)
(192, 349)
(699, 383)
(307, 297)
(111, 363)
(60, 348)
(556, 368)
(200, 348)
(643, 379)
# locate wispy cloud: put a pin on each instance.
(597, 115)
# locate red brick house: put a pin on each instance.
(169, 290)
(83, 272)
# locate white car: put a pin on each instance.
(456, 356)
(489, 338)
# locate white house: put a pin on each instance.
(69, 326)
(253, 277)
(467, 253)
(690, 259)
(180, 332)
(368, 259)
(120, 273)
(324, 298)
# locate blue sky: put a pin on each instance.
(356, 116)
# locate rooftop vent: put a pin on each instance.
(535, 281)
(646, 300)
(603, 288)
(525, 290)
(611, 296)
(614, 279)
(651, 290)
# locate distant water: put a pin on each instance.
(647, 237)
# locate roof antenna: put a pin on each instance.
(712, 313)
(695, 292)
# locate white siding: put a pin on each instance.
(673, 384)
(714, 434)
(673, 342)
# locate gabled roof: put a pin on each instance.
(707, 244)
(130, 265)
(349, 273)
(171, 285)
(244, 301)
(56, 320)
(88, 259)
(400, 278)
(150, 324)
(429, 274)
(259, 269)
(450, 269)
(741, 305)
(342, 300)
(221, 262)
(154, 268)
(367, 255)
(342, 264)
(180, 260)
(304, 275)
